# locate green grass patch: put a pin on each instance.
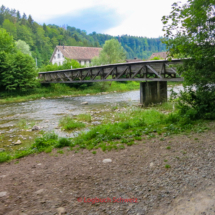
(68, 123)
(84, 117)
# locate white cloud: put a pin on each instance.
(142, 17)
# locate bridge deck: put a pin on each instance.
(161, 70)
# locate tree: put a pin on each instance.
(190, 35)
(111, 53)
(23, 47)
(20, 72)
(6, 41)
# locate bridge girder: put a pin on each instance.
(161, 70)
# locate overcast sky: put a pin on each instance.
(114, 17)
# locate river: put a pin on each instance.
(46, 113)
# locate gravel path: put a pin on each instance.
(47, 184)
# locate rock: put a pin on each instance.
(18, 142)
(2, 150)
(108, 160)
(96, 123)
(35, 128)
(39, 191)
(104, 93)
(43, 98)
(39, 164)
(61, 210)
(84, 103)
(47, 121)
(2, 194)
(87, 94)
(3, 176)
(151, 165)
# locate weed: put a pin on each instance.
(94, 152)
(167, 166)
(84, 117)
(62, 142)
(4, 156)
(183, 152)
(165, 160)
(68, 123)
(162, 139)
(196, 138)
(60, 151)
(168, 147)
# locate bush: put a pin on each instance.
(68, 123)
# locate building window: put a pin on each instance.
(58, 55)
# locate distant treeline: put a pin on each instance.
(42, 39)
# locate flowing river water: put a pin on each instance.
(46, 113)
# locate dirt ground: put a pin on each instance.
(47, 184)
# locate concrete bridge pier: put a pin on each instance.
(153, 92)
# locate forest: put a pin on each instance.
(42, 39)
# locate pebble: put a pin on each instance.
(2, 194)
(39, 191)
(108, 160)
(61, 210)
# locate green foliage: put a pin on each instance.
(63, 142)
(6, 42)
(17, 72)
(4, 156)
(189, 32)
(157, 58)
(68, 123)
(111, 53)
(23, 47)
(47, 140)
(84, 117)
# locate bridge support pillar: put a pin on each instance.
(153, 92)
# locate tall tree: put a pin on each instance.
(112, 52)
(190, 35)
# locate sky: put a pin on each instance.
(114, 17)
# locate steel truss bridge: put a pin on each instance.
(161, 70)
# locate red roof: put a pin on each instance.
(79, 53)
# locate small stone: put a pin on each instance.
(39, 191)
(47, 121)
(35, 128)
(87, 94)
(104, 93)
(2, 194)
(84, 103)
(61, 210)
(18, 142)
(2, 150)
(151, 165)
(96, 123)
(39, 164)
(107, 160)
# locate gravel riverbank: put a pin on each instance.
(164, 176)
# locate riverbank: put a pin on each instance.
(62, 90)
(108, 129)
(170, 176)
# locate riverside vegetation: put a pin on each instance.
(119, 128)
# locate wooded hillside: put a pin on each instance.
(42, 39)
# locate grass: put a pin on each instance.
(24, 124)
(84, 117)
(167, 166)
(68, 123)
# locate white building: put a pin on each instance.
(83, 55)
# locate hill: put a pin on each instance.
(43, 38)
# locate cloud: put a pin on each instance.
(97, 19)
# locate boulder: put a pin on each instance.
(35, 128)
(18, 142)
